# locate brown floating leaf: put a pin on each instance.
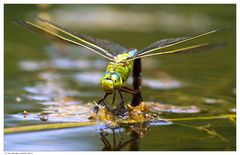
(138, 114)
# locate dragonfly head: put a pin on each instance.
(111, 81)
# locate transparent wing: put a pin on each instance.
(189, 49)
(162, 43)
(170, 42)
(102, 44)
(59, 38)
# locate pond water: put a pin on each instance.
(41, 77)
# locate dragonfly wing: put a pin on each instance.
(53, 35)
(44, 32)
(110, 46)
(162, 43)
(106, 45)
(171, 42)
(189, 49)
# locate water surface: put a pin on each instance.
(63, 81)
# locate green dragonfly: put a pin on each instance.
(120, 58)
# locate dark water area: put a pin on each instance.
(41, 76)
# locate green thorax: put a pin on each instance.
(121, 66)
(117, 72)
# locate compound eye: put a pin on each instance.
(115, 77)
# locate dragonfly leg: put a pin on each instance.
(121, 108)
(132, 91)
(122, 99)
(114, 96)
(96, 108)
(129, 90)
(107, 107)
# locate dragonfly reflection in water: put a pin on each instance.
(122, 60)
(113, 140)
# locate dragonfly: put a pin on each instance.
(120, 59)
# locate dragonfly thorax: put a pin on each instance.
(111, 81)
(117, 72)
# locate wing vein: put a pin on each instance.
(74, 36)
(53, 35)
(194, 48)
(178, 42)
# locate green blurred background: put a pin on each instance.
(39, 74)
